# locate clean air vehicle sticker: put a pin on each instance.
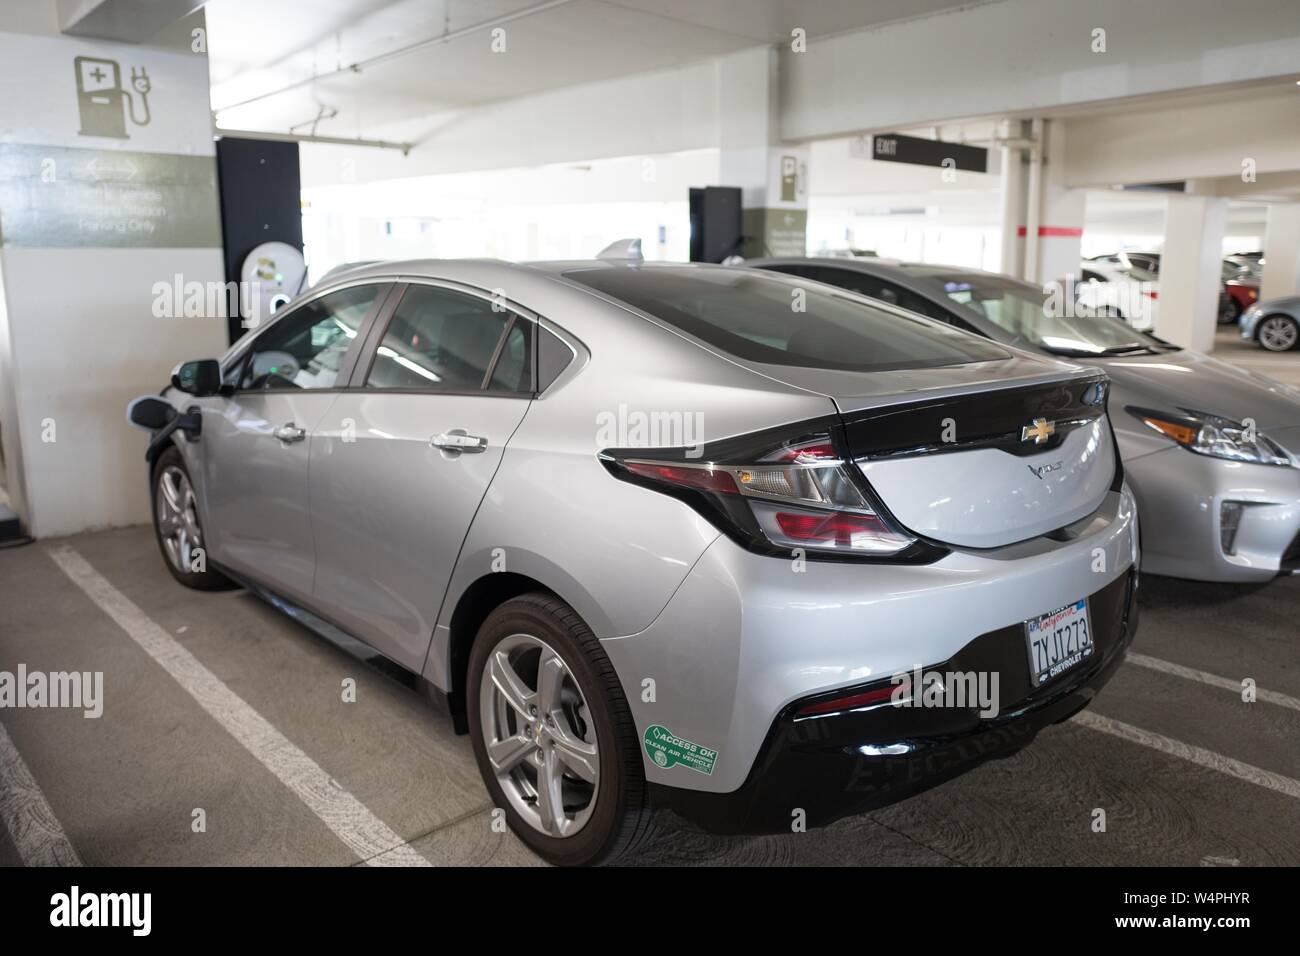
(665, 750)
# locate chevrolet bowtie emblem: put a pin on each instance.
(1039, 431)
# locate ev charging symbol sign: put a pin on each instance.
(103, 102)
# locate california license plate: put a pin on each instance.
(1058, 641)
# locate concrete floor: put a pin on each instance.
(1280, 366)
(1195, 775)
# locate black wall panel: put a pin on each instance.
(261, 201)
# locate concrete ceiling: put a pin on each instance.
(258, 48)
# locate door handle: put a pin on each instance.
(457, 441)
(290, 433)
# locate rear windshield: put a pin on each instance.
(761, 317)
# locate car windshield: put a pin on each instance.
(1044, 322)
(765, 317)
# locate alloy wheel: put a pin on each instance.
(178, 518)
(538, 734)
(1278, 333)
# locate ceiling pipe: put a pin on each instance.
(310, 138)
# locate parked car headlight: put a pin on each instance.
(1214, 436)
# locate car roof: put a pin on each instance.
(892, 268)
(449, 268)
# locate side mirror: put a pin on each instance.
(199, 378)
(150, 412)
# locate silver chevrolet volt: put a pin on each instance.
(1212, 452)
(664, 535)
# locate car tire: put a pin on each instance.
(1277, 332)
(1231, 313)
(530, 736)
(177, 526)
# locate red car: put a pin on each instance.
(1242, 292)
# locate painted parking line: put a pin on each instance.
(1214, 680)
(1197, 755)
(32, 825)
(364, 833)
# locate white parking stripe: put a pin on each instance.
(1197, 755)
(32, 825)
(1214, 680)
(364, 833)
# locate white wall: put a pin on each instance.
(80, 338)
(1205, 139)
(899, 210)
(553, 212)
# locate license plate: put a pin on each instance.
(1058, 641)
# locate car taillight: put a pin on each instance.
(800, 494)
(705, 479)
(836, 528)
(895, 691)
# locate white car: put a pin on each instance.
(1126, 292)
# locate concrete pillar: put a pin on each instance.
(1191, 268)
(1042, 218)
(107, 194)
(1281, 252)
(773, 176)
(1060, 222)
(1011, 260)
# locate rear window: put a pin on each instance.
(761, 317)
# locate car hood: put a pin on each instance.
(1287, 303)
(1174, 381)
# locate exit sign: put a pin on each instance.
(897, 148)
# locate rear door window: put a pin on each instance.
(441, 339)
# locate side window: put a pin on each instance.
(858, 282)
(447, 340)
(886, 291)
(306, 348)
(514, 369)
(553, 357)
(882, 290)
(915, 303)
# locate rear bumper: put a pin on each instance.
(852, 761)
(747, 636)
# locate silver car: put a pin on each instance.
(1212, 452)
(1274, 325)
(664, 535)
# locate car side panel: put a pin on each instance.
(614, 551)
